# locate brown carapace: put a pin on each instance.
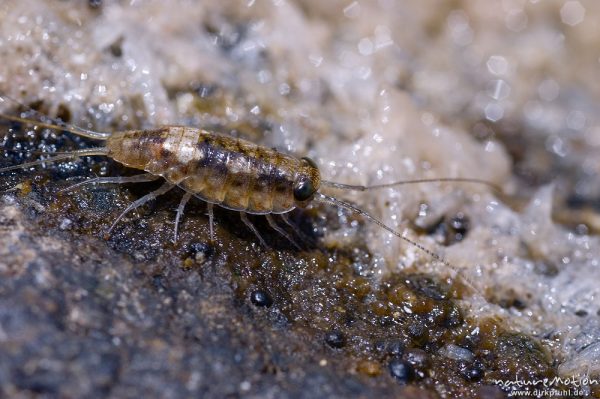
(221, 170)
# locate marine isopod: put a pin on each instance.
(221, 170)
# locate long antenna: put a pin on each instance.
(352, 208)
(56, 124)
(66, 155)
(342, 186)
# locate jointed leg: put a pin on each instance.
(281, 231)
(116, 180)
(209, 208)
(141, 201)
(254, 230)
(184, 200)
(296, 229)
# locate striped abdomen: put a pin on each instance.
(227, 171)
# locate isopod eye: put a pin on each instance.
(303, 189)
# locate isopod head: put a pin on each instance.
(306, 182)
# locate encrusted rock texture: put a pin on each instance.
(374, 92)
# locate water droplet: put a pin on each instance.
(497, 65)
(383, 36)
(557, 146)
(572, 13)
(66, 224)
(315, 59)
(576, 120)
(499, 89)
(494, 112)
(245, 386)
(352, 10)
(365, 46)
(516, 20)
(460, 30)
(548, 90)
(264, 76)
(284, 89)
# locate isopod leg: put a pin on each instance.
(281, 231)
(184, 200)
(211, 217)
(296, 229)
(141, 201)
(115, 180)
(254, 230)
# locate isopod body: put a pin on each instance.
(222, 170)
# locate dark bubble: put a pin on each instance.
(472, 371)
(226, 35)
(396, 348)
(426, 286)
(416, 330)
(116, 48)
(389, 347)
(419, 360)
(401, 370)
(459, 226)
(200, 251)
(261, 298)
(449, 230)
(158, 281)
(335, 339)
(453, 317)
(380, 347)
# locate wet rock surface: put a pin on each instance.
(82, 316)
(80, 319)
(373, 92)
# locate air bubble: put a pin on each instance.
(494, 112)
(365, 46)
(516, 20)
(572, 13)
(352, 10)
(499, 89)
(460, 30)
(548, 90)
(497, 65)
(576, 120)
